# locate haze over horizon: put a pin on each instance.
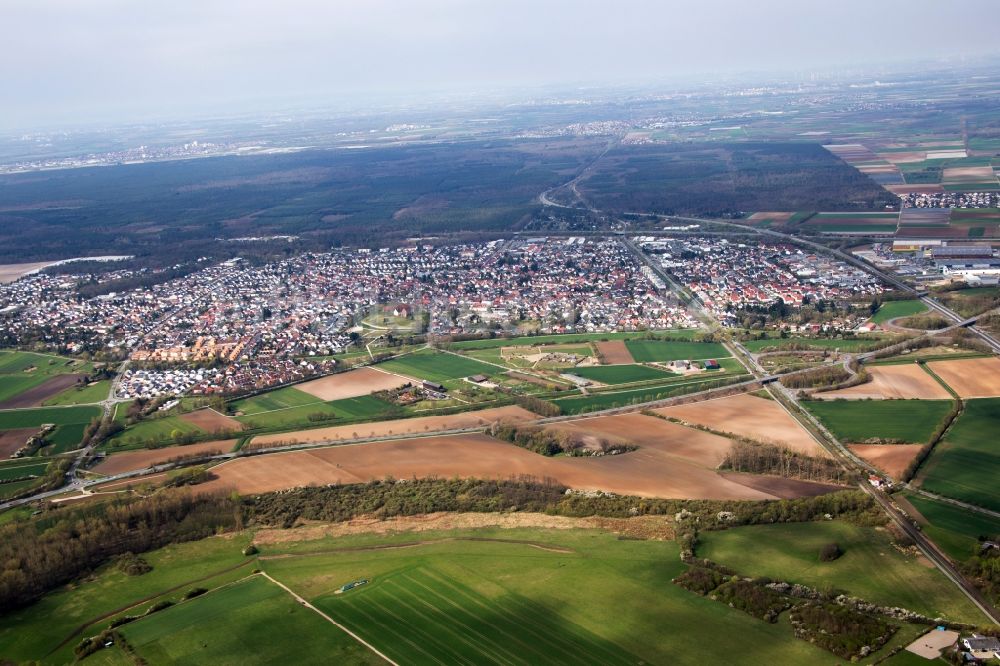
(113, 60)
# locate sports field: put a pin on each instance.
(620, 374)
(253, 621)
(437, 366)
(911, 421)
(966, 463)
(953, 528)
(870, 567)
(894, 309)
(649, 351)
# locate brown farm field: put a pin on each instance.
(970, 377)
(672, 461)
(890, 458)
(615, 352)
(130, 461)
(36, 395)
(12, 440)
(400, 427)
(352, 384)
(748, 416)
(210, 420)
(13, 272)
(893, 382)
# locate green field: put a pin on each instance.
(857, 420)
(159, 429)
(347, 409)
(254, 619)
(955, 529)
(620, 374)
(12, 469)
(282, 398)
(966, 463)
(893, 309)
(30, 418)
(870, 567)
(487, 596)
(437, 366)
(850, 344)
(649, 351)
(564, 338)
(20, 371)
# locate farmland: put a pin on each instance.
(966, 464)
(282, 398)
(911, 421)
(620, 374)
(437, 366)
(870, 567)
(652, 351)
(844, 344)
(898, 381)
(27, 379)
(956, 530)
(69, 421)
(560, 339)
(348, 409)
(970, 377)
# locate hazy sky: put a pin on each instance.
(66, 60)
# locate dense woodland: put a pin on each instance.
(754, 458)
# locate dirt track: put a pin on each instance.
(890, 458)
(35, 396)
(615, 351)
(401, 427)
(893, 382)
(352, 384)
(748, 416)
(970, 377)
(210, 420)
(133, 460)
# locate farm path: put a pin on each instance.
(326, 617)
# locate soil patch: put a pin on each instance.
(401, 427)
(893, 382)
(615, 352)
(210, 420)
(645, 527)
(352, 384)
(13, 272)
(12, 440)
(781, 487)
(36, 395)
(970, 377)
(130, 461)
(893, 459)
(748, 416)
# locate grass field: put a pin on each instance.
(154, 429)
(893, 309)
(870, 567)
(953, 528)
(648, 351)
(619, 374)
(33, 632)
(282, 398)
(581, 597)
(565, 338)
(966, 463)
(30, 418)
(910, 421)
(437, 366)
(254, 619)
(13, 469)
(348, 409)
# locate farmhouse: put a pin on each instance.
(982, 647)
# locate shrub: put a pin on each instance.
(131, 564)
(830, 552)
(194, 592)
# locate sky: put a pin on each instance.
(112, 60)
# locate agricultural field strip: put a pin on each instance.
(326, 617)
